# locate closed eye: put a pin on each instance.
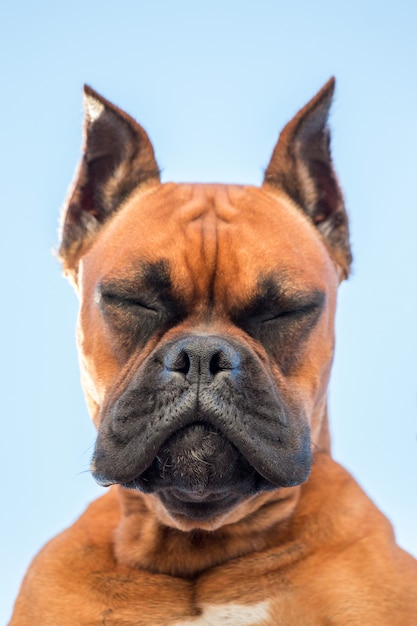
(134, 309)
(125, 301)
(292, 313)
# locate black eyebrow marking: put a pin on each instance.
(151, 283)
(275, 295)
(152, 277)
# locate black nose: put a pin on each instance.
(201, 357)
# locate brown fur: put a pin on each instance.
(317, 552)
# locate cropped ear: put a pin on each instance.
(117, 158)
(301, 166)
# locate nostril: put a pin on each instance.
(181, 363)
(219, 362)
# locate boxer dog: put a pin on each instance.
(206, 336)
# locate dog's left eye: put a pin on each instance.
(282, 326)
(290, 314)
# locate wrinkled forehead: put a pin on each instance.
(211, 240)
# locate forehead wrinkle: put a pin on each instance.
(200, 231)
(209, 210)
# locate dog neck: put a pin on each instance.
(143, 541)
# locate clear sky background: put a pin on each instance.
(213, 83)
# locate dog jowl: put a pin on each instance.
(206, 337)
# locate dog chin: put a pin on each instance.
(175, 511)
(198, 510)
(206, 506)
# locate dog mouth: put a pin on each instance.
(198, 497)
(198, 505)
(198, 473)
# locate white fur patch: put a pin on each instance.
(93, 106)
(229, 615)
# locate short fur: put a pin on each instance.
(206, 336)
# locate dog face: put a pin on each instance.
(206, 322)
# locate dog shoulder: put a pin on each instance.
(57, 572)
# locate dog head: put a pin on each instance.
(206, 322)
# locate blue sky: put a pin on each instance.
(213, 84)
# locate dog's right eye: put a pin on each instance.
(131, 321)
(122, 301)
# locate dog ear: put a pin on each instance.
(301, 166)
(117, 157)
